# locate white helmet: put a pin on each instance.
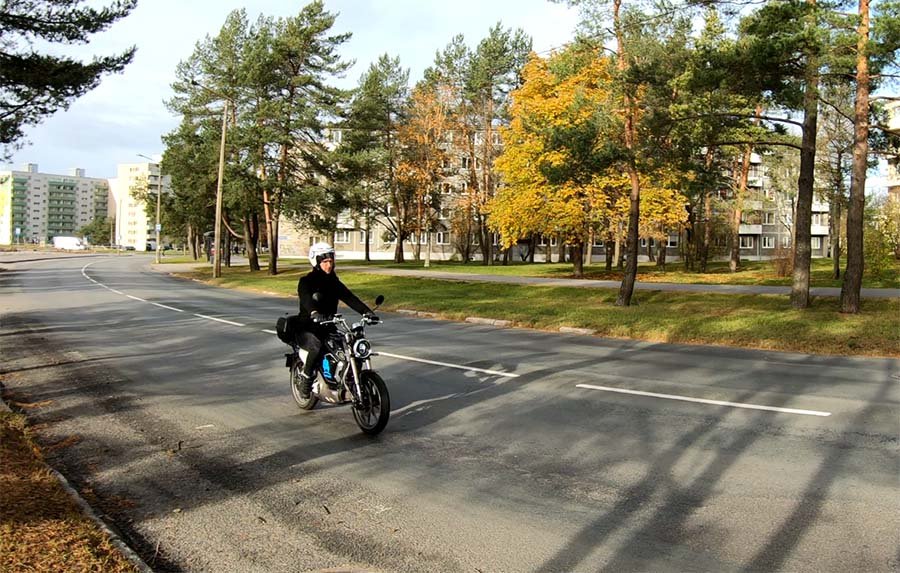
(320, 251)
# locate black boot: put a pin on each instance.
(305, 385)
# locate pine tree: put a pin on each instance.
(36, 85)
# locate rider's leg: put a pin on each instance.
(313, 346)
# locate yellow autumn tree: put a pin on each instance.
(421, 138)
(560, 92)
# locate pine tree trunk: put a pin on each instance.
(735, 260)
(850, 289)
(834, 229)
(250, 244)
(805, 182)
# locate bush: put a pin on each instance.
(877, 253)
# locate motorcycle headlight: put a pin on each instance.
(362, 348)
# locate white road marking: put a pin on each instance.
(135, 298)
(203, 427)
(166, 307)
(705, 401)
(447, 365)
(114, 290)
(268, 331)
(219, 320)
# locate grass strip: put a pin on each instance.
(750, 321)
(41, 527)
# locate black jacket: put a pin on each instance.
(331, 289)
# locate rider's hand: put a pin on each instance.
(371, 317)
(315, 316)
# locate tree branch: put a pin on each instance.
(750, 142)
(739, 115)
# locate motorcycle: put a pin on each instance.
(344, 374)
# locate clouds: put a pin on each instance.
(125, 115)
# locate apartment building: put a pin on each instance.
(35, 207)
(766, 226)
(134, 228)
(893, 165)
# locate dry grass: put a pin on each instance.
(41, 527)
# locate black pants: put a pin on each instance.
(312, 344)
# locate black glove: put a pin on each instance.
(315, 316)
(371, 317)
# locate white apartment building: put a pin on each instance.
(893, 166)
(35, 207)
(133, 227)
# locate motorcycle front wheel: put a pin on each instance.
(374, 406)
(303, 403)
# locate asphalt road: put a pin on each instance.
(182, 430)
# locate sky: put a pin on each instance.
(125, 116)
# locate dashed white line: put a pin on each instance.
(219, 320)
(448, 365)
(705, 401)
(268, 331)
(135, 298)
(166, 307)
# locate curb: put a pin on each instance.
(488, 321)
(114, 538)
(573, 330)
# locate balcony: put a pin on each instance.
(754, 182)
(818, 230)
(750, 229)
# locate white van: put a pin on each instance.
(68, 243)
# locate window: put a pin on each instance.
(673, 241)
(542, 241)
(442, 238)
(815, 242)
(769, 218)
(446, 188)
(445, 214)
(341, 237)
(768, 242)
(820, 219)
(644, 243)
(465, 162)
(746, 241)
(362, 236)
(598, 242)
(553, 241)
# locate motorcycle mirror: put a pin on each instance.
(379, 299)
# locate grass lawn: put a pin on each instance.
(751, 273)
(41, 527)
(753, 321)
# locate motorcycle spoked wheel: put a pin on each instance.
(372, 413)
(303, 403)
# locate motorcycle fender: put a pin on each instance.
(302, 353)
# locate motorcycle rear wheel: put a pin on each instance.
(374, 410)
(303, 403)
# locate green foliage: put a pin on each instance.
(97, 232)
(36, 85)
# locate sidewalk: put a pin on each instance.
(580, 283)
(587, 283)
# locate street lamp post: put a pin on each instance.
(217, 240)
(158, 203)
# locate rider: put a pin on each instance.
(321, 279)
